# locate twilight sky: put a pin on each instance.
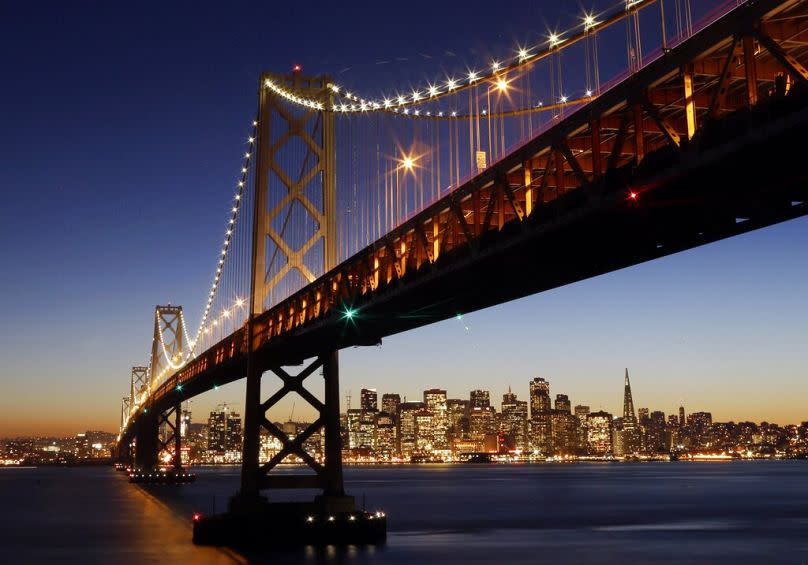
(120, 133)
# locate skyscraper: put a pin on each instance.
(599, 433)
(390, 404)
(369, 400)
(435, 401)
(541, 435)
(563, 429)
(630, 429)
(479, 399)
(514, 420)
(224, 431)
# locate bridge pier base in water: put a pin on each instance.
(332, 516)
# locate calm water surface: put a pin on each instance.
(720, 512)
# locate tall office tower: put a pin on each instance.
(407, 426)
(224, 430)
(562, 403)
(354, 427)
(655, 433)
(514, 420)
(386, 438)
(481, 423)
(367, 428)
(698, 427)
(390, 403)
(424, 431)
(681, 416)
(369, 400)
(457, 411)
(581, 412)
(541, 422)
(599, 433)
(539, 396)
(630, 432)
(435, 401)
(217, 427)
(563, 432)
(479, 399)
(642, 415)
(233, 435)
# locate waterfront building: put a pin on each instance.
(367, 429)
(436, 404)
(386, 436)
(407, 430)
(481, 422)
(541, 436)
(457, 412)
(599, 433)
(630, 440)
(424, 431)
(224, 434)
(563, 428)
(513, 422)
(354, 424)
(581, 413)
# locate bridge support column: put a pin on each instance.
(332, 475)
(147, 441)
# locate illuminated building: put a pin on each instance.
(514, 421)
(367, 429)
(390, 404)
(457, 411)
(224, 434)
(407, 430)
(369, 400)
(386, 436)
(599, 433)
(541, 435)
(479, 399)
(681, 416)
(563, 428)
(698, 428)
(435, 401)
(424, 431)
(581, 413)
(630, 440)
(481, 422)
(354, 422)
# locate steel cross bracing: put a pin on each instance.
(648, 168)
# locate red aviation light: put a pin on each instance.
(633, 195)
(297, 69)
(197, 517)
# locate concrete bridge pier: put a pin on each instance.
(146, 440)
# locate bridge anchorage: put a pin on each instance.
(700, 141)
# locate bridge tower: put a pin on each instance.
(311, 188)
(158, 434)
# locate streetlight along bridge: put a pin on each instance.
(358, 216)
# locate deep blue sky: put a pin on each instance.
(121, 127)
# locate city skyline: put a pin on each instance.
(725, 317)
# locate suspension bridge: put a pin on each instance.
(356, 216)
